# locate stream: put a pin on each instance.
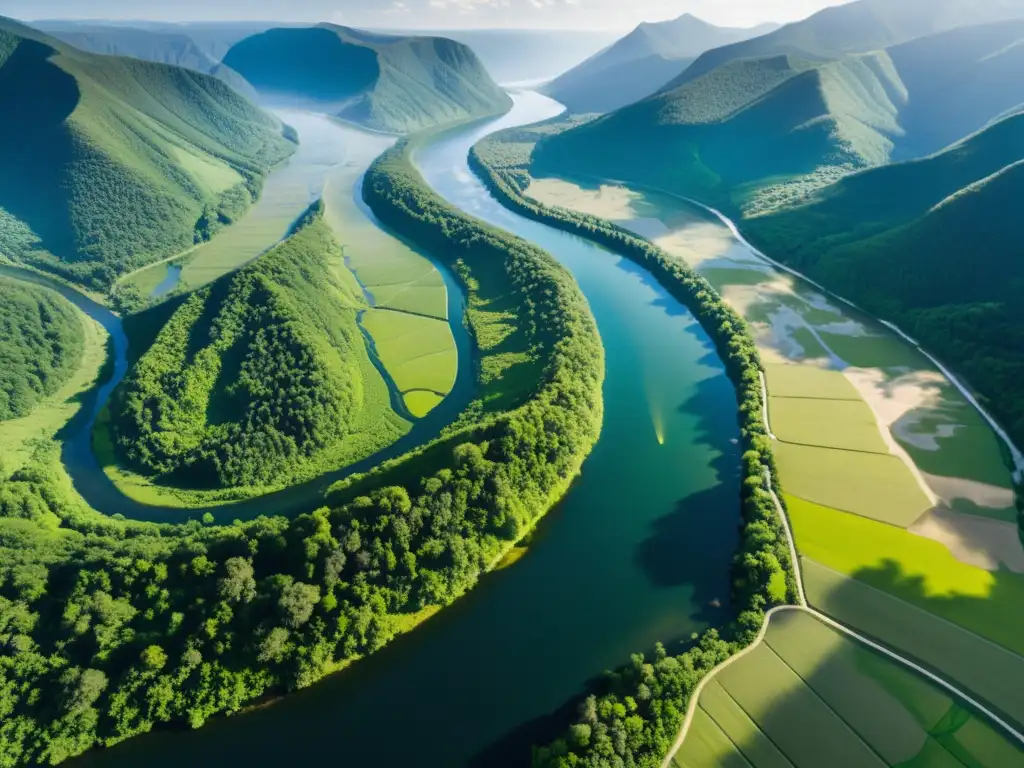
(638, 552)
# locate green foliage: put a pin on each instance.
(927, 245)
(112, 163)
(41, 341)
(252, 375)
(110, 627)
(388, 83)
(636, 715)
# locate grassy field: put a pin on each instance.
(842, 424)
(418, 352)
(875, 486)
(786, 380)
(915, 569)
(991, 672)
(811, 697)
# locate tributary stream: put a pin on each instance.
(638, 552)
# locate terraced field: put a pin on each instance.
(808, 696)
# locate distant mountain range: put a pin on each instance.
(386, 82)
(755, 134)
(641, 63)
(111, 163)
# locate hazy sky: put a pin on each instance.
(437, 14)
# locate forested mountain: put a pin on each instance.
(252, 376)
(933, 245)
(858, 27)
(111, 163)
(389, 83)
(41, 339)
(757, 134)
(641, 63)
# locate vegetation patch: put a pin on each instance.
(913, 568)
(989, 671)
(711, 747)
(841, 424)
(735, 723)
(872, 485)
(788, 380)
(418, 352)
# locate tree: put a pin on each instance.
(154, 657)
(238, 585)
(296, 603)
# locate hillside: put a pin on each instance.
(758, 134)
(857, 27)
(931, 245)
(641, 63)
(253, 377)
(41, 340)
(388, 83)
(111, 163)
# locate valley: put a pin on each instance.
(662, 414)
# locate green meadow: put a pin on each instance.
(788, 380)
(810, 696)
(848, 425)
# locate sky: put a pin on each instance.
(427, 14)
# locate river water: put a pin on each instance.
(638, 552)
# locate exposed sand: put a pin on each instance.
(607, 202)
(977, 541)
(954, 489)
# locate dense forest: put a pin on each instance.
(41, 341)
(111, 627)
(111, 163)
(253, 375)
(633, 718)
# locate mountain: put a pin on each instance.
(932, 245)
(529, 55)
(641, 62)
(758, 134)
(392, 83)
(111, 163)
(857, 27)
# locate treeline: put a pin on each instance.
(634, 718)
(250, 376)
(110, 627)
(41, 342)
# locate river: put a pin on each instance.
(638, 552)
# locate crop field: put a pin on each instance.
(810, 697)
(842, 424)
(418, 352)
(915, 569)
(787, 380)
(872, 485)
(884, 352)
(991, 672)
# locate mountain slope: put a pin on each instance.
(111, 163)
(933, 245)
(390, 83)
(857, 27)
(757, 134)
(255, 377)
(640, 63)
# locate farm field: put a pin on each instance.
(851, 423)
(809, 696)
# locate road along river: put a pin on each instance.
(638, 552)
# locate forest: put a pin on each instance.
(251, 376)
(633, 716)
(114, 626)
(41, 340)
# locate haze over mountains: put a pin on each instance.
(386, 82)
(755, 133)
(641, 62)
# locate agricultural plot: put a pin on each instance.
(876, 486)
(990, 672)
(886, 352)
(841, 424)
(810, 696)
(786, 380)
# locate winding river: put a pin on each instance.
(638, 552)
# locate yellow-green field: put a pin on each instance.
(788, 380)
(52, 413)
(990, 672)
(842, 424)
(212, 176)
(810, 697)
(872, 485)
